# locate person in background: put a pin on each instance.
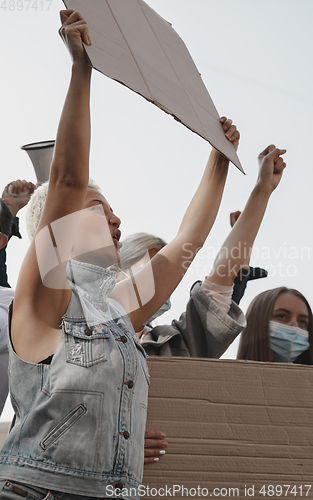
(210, 322)
(279, 328)
(10, 204)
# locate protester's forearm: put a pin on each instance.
(238, 245)
(201, 213)
(73, 137)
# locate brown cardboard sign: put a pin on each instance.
(132, 44)
(234, 428)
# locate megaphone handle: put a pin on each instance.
(23, 193)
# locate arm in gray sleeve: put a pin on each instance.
(206, 329)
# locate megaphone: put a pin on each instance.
(41, 154)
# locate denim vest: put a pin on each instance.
(81, 420)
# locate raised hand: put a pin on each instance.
(234, 216)
(231, 132)
(17, 194)
(74, 31)
(271, 166)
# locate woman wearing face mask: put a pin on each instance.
(279, 328)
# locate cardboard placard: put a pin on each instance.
(132, 44)
(235, 427)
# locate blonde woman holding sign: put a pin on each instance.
(78, 374)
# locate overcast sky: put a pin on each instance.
(255, 59)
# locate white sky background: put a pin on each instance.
(256, 61)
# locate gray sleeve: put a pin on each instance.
(206, 329)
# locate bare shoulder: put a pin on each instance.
(33, 338)
(37, 314)
(44, 290)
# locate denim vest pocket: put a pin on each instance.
(63, 426)
(85, 345)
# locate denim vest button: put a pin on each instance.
(118, 486)
(130, 384)
(126, 434)
(88, 332)
(123, 339)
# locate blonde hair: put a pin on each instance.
(135, 247)
(36, 205)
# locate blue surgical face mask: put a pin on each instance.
(166, 307)
(287, 342)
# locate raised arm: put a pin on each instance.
(238, 245)
(67, 188)
(70, 167)
(15, 196)
(202, 211)
(171, 263)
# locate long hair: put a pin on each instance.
(135, 247)
(255, 338)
